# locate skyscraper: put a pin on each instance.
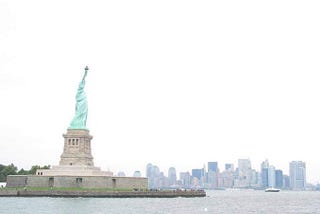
(172, 176)
(229, 167)
(297, 175)
(153, 173)
(212, 166)
(264, 177)
(271, 176)
(197, 173)
(279, 178)
(225, 179)
(244, 164)
(149, 170)
(286, 181)
(265, 164)
(264, 173)
(254, 178)
(185, 179)
(243, 174)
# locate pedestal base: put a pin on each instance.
(76, 159)
(73, 171)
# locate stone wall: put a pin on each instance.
(17, 181)
(77, 182)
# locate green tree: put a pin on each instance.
(23, 172)
(7, 170)
(2, 177)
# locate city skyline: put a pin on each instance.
(171, 82)
(210, 176)
(220, 165)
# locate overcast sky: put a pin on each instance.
(173, 83)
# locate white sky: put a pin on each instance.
(174, 83)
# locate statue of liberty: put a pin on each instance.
(80, 118)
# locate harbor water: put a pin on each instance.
(235, 201)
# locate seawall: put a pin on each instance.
(101, 194)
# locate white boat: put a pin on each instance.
(272, 190)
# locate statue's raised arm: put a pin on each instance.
(85, 73)
(80, 118)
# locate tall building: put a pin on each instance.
(265, 164)
(286, 182)
(149, 170)
(162, 181)
(264, 177)
(264, 173)
(185, 179)
(279, 178)
(153, 175)
(212, 180)
(212, 166)
(225, 179)
(229, 167)
(271, 176)
(198, 173)
(172, 176)
(254, 182)
(243, 174)
(297, 175)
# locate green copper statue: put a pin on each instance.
(80, 118)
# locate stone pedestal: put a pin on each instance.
(77, 148)
(76, 159)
